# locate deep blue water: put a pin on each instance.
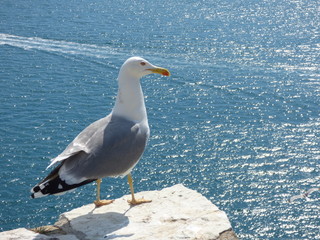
(238, 121)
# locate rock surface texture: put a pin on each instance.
(174, 213)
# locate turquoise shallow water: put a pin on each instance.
(238, 120)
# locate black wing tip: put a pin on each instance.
(55, 187)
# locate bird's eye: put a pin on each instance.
(142, 63)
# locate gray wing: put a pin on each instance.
(295, 197)
(82, 143)
(109, 147)
(311, 190)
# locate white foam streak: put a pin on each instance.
(56, 46)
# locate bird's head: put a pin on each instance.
(139, 67)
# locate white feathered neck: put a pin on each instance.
(130, 99)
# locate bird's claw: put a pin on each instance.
(100, 203)
(138, 201)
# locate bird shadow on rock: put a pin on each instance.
(91, 225)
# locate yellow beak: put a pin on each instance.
(161, 71)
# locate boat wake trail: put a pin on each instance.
(56, 46)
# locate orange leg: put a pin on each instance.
(135, 201)
(99, 202)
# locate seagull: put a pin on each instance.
(304, 195)
(108, 147)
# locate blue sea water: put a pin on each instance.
(238, 120)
